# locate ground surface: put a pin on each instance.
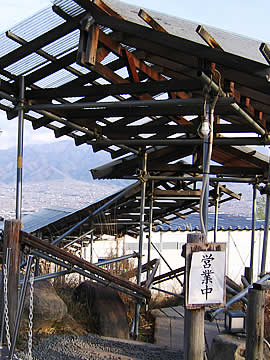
(93, 347)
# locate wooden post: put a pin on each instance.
(255, 324)
(194, 319)
(12, 240)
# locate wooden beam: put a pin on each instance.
(12, 240)
(53, 250)
(106, 8)
(158, 192)
(92, 45)
(150, 21)
(265, 50)
(151, 87)
(208, 38)
(140, 65)
(133, 75)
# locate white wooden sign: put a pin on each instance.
(207, 278)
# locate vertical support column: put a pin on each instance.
(91, 243)
(205, 128)
(255, 324)
(142, 211)
(20, 150)
(216, 213)
(194, 319)
(253, 233)
(266, 225)
(206, 179)
(150, 227)
(12, 240)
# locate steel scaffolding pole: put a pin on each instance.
(20, 150)
(253, 233)
(182, 141)
(212, 180)
(142, 216)
(216, 213)
(127, 104)
(266, 225)
(205, 198)
(150, 226)
(209, 82)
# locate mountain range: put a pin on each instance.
(64, 162)
(53, 161)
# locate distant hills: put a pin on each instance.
(63, 161)
(49, 162)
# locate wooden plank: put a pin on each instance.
(158, 192)
(106, 8)
(265, 50)
(207, 37)
(255, 324)
(133, 75)
(150, 21)
(92, 45)
(229, 192)
(36, 243)
(11, 240)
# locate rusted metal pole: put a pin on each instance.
(20, 150)
(194, 319)
(12, 240)
(255, 324)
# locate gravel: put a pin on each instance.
(93, 347)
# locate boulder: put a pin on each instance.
(49, 308)
(228, 347)
(105, 307)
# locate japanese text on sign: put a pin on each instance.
(206, 278)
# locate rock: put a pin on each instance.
(105, 307)
(49, 308)
(228, 347)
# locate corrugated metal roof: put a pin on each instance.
(38, 220)
(230, 42)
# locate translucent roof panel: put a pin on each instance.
(7, 45)
(69, 7)
(59, 78)
(38, 24)
(26, 64)
(63, 45)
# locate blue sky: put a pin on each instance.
(246, 17)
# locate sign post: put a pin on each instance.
(204, 285)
